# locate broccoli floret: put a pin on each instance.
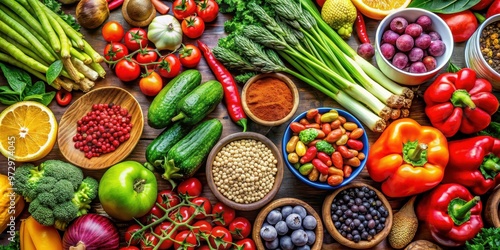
(25, 182)
(85, 194)
(63, 170)
(65, 212)
(41, 213)
(308, 135)
(63, 191)
(46, 199)
(324, 146)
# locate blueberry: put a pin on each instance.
(304, 247)
(299, 237)
(273, 217)
(286, 210)
(311, 237)
(273, 244)
(300, 210)
(281, 227)
(293, 221)
(286, 243)
(309, 222)
(268, 233)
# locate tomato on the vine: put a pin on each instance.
(169, 66)
(167, 198)
(146, 55)
(200, 208)
(164, 229)
(154, 214)
(151, 85)
(130, 238)
(136, 38)
(223, 214)
(127, 70)
(220, 238)
(193, 26)
(203, 247)
(202, 226)
(190, 56)
(191, 187)
(112, 31)
(183, 8)
(115, 51)
(245, 244)
(240, 227)
(181, 215)
(185, 240)
(207, 10)
(149, 241)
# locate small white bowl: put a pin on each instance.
(401, 76)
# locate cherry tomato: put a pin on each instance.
(112, 31)
(185, 240)
(203, 247)
(201, 207)
(462, 24)
(202, 226)
(183, 8)
(207, 10)
(246, 244)
(193, 26)
(222, 236)
(240, 228)
(136, 38)
(149, 241)
(181, 215)
(223, 215)
(169, 66)
(115, 51)
(164, 229)
(63, 97)
(151, 84)
(190, 56)
(167, 198)
(147, 55)
(129, 248)
(130, 238)
(127, 70)
(154, 214)
(191, 187)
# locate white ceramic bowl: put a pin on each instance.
(401, 76)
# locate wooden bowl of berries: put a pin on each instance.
(101, 128)
(352, 220)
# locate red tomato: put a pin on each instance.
(220, 235)
(112, 31)
(185, 240)
(190, 56)
(146, 55)
(115, 51)
(129, 248)
(151, 85)
(169, 66)
(202, 226)
(167, 198)
(191, 187)
(164, 229)
(136, 38)
(127, 70)
(462, 24)
(240, 228)
(203, 247)
(181, 215)
(246, 244)
(149, 241)
(183, 8)
(223, 215)
(482, 5)
(493, 9)
(201, 207)
(130, 238)
(193, 26)
(207, 10)
(154, 214)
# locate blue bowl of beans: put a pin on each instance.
(325, 148)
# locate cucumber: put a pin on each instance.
(159, 147)
(164, 105)
(193, 107)
(187, 155)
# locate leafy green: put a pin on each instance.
(54, 70)
(445, 7)
(55, 6)
(488, 238)
(14, 243)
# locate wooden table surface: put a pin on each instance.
(309, 98)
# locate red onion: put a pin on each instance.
(91, 231)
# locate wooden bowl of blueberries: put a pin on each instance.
(357, 216)
(288, 223)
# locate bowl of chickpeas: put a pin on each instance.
(244, 170)
(325, 148)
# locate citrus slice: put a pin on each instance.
(378, 9)
(29, 131)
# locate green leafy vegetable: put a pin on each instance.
(445, 7)
(54, 70)
(488, 238)
(55, 6)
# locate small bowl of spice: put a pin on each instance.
(270, 99)
(244, 170)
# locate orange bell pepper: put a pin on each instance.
(408, 158)
(35, 236)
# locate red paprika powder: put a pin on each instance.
(269, 99)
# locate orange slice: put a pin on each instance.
(29, 131)
(378, 9)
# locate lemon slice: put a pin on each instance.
(378, 9)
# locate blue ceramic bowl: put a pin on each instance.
(317, 184)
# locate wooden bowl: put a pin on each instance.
(491, 213)
(327, 219)
(287, 81)
(261, 217)
(68, 122)
(277, 181)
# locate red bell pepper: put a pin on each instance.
(474, 163)
(451, 214)
(462, 24)
(493, 9)
(460, 102)
(483, 4)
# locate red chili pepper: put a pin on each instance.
(63, 97)
(231, 94)
(113, 4)
(320, 166)
(325, 158)
(309, 156)
(360, 27)
(160, 7)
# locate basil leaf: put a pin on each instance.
(444, 7)
(48, 97)
(6, 90)
(36, 98)
(17, 79)
(53, 71)
(37, 88)
(9, 99)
